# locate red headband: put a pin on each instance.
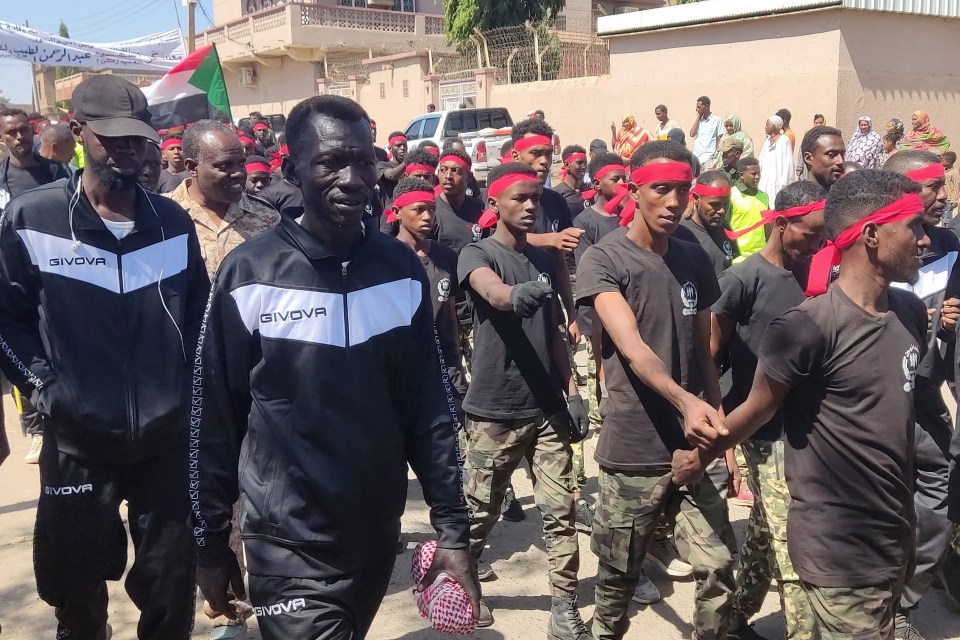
(460, 161)
(769, 216)
(260, 127)
(821, 267)
(411, 168)
(171, 142)
(573, 157)
(409, 197)
(929, 172)
(706, 191)
(671, 171)
(590, 194)
(489, 217)
(247, 140)
(395, 140)
(258, 166)
(531, 141)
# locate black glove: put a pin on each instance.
(528, 297)
(579, 420)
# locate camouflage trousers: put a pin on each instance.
(764, 556)
(629, 506)
(494, 450)
(864, 613)
(465, 339)
(593, 386)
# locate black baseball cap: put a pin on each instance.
(113, 107)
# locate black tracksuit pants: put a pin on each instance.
(337, 602)
(80, 542)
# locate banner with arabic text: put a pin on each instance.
(159, 52)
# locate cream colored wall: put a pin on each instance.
(751, 69)
(227, 10)
(394, 111)
(890, 68)
(279, 88)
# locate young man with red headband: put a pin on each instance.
(258, 173)
(390, 171)
(533, 146)
(939, 288)
(656, 363)
(473, 187)
(456, 226)
(843, 367)
(571, 178)
(412, 220)
(753, 293)
(710, 201)
(523, 401)
(421, 165)
(175, 171)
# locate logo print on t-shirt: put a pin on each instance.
(469, 192)
(910, 361)
(555, 226)
(443, 288)
(368, 209)
(545, 279)
(688, 294)
(727, 249)
(477, 232)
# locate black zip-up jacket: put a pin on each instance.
(83, 327)
(320, 381)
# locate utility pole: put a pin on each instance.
(191, 6)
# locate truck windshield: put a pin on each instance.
(475, 120)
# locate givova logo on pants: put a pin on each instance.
(68, 490)
(280, 608)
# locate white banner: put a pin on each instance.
(158, 52)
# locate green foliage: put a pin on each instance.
(63, 72)
(462, 17)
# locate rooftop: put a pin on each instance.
(725, 10)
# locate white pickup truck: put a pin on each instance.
(483, 131)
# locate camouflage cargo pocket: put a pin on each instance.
(480, 472)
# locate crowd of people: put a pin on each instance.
(288, 321)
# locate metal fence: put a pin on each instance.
(527, 53)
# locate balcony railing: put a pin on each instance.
(299, 14)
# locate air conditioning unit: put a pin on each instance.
(248, 78)
(621, 10)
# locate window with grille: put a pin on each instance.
(406, 89)
(409, 6)
(360, 4)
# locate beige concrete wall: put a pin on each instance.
(227, 10)
(278, 90)
(394, 111)
(894, 65)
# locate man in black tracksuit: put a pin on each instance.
(319, 381)
(103, 290)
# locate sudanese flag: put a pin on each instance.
(191, 91)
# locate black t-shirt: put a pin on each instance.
(15, 180)
(849, 427)
(440, 263)
(512, 372)
(385, 184)
(381, 153)
(553, 214)
(474, 191)
(455, 229)
(753, 294)
(642, 429)
(572, 197)
(715, 242)
(596, 226)
(170, 181)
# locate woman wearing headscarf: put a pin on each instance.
(734, 132)
(895, 126)
(776, 159)
(866, 145)
(924, 136)
(629, 138)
